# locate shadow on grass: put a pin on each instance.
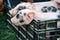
(5, 33)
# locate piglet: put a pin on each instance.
(21, 6)
(25, 16)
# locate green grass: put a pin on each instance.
(5, 33)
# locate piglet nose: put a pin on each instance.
(13, 21)
(21, 21)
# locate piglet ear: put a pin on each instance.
(12, 12)
(30, 17)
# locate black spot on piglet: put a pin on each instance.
(17, 16)
(53, 9)
(44, 9)
(21, 21)
(58, 16)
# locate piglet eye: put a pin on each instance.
(20, 13)
(20, 8)
(24, 14)
(17, 16)
(24, 7)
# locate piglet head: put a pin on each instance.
(23, 17)
(21, 6)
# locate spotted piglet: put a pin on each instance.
(25, 16)
(20, 6)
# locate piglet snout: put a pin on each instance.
(13, 21)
